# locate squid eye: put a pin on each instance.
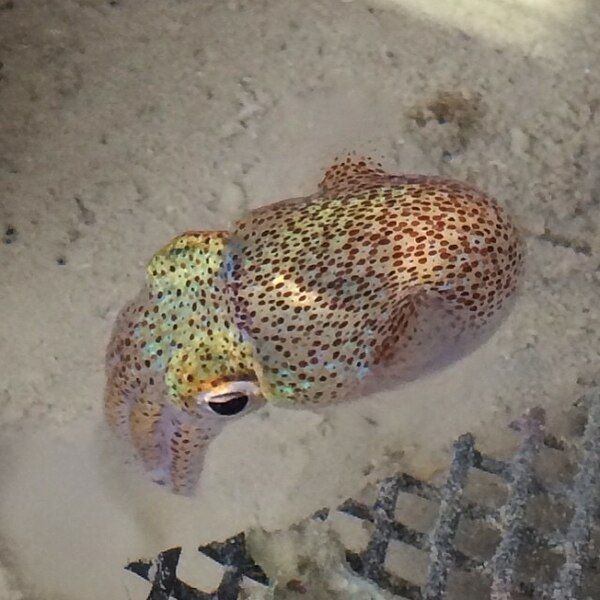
(231, 399)
(228, 404)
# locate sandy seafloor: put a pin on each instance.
(124, 123)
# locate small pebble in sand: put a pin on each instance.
(10, 234)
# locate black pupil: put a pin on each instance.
(231, 407)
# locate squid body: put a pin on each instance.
(372, 281)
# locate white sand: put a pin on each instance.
(121, 126)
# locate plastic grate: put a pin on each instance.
(517, 538)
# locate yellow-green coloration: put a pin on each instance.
(192, 321)
(371, 281)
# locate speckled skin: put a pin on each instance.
(371, 281)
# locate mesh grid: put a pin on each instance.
(506, 574)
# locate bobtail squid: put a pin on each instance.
(369, 282)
